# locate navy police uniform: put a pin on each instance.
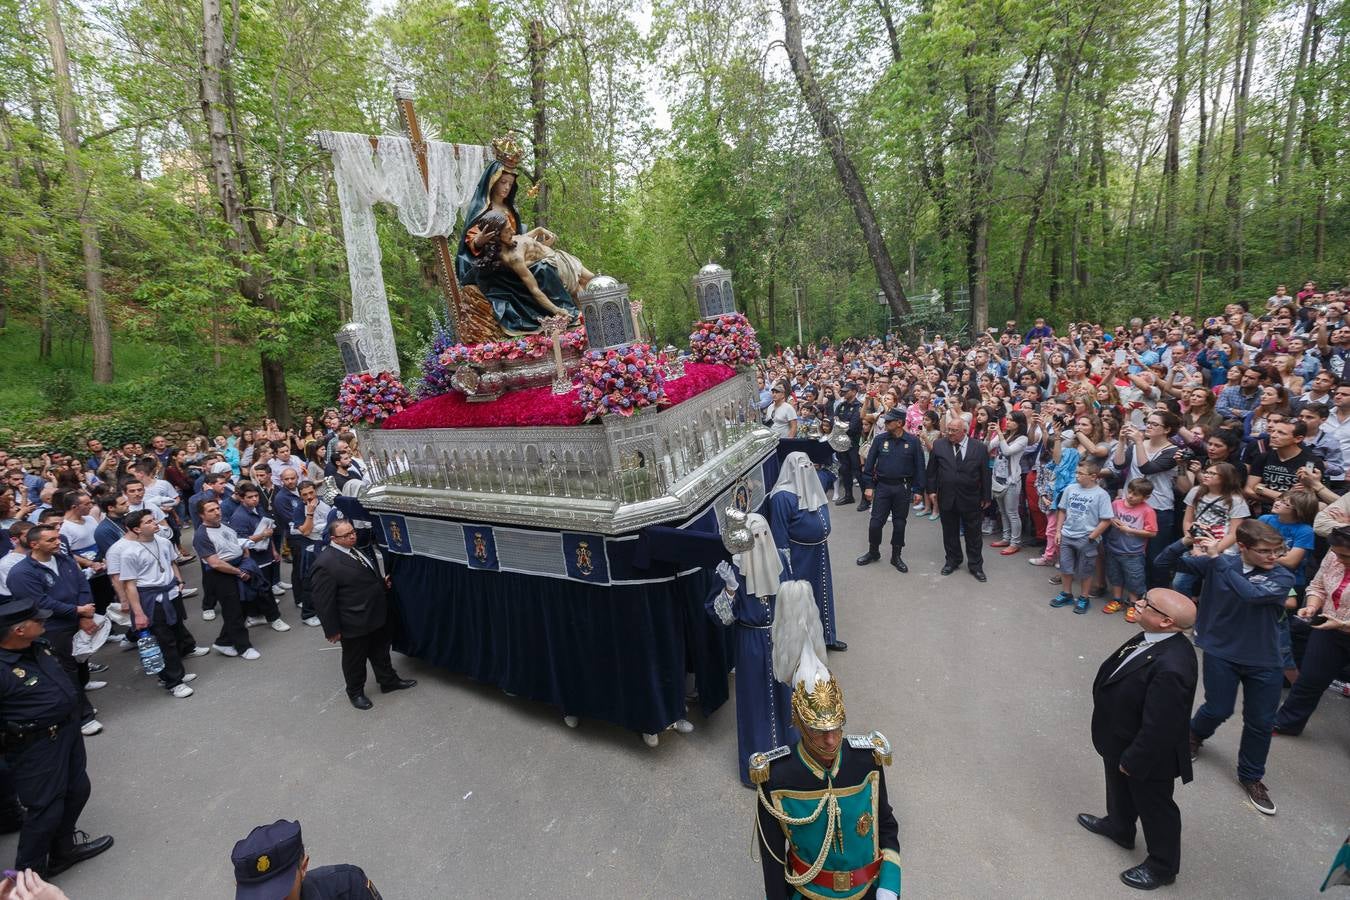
(43, 747)
(848, 803)
(895, 467)
(849, 411)
(265, 863)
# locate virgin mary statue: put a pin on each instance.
(558, 276)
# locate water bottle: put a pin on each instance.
(152, 658)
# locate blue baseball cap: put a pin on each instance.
(266, 860)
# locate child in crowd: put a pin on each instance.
(1055, 473)
(1084, 514)
(1292, 517)
(1214, 508)
(1134, 523)
(928, 434)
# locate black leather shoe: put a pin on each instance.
(845, 501)
(899, 563)
(838, 646)
(864, 506)
(1140, 877)
(361, 701)
(78, 853)
(401, 685)
(949, 568)
(870, 556)
(979, 575)
(1097, 825)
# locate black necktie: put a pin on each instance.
(1130, 647)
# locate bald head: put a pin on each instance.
(1164, 610)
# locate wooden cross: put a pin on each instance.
(445, 257)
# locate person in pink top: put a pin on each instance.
(1327, 610)
(1133, 523)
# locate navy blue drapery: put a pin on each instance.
(616, 653)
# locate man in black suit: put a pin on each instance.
(349, 596)
(958, 471)
(1142, 699)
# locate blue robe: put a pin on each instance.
(763, 704)
(801, 536)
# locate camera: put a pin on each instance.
(1198, 531)
(1185, 455)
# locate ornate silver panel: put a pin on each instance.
(612, 477)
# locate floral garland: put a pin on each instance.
(444, 356)
(622, 380)
(372, 398)
(728, 340)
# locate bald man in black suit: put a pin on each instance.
(1142, 700)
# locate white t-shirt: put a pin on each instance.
(781, 417)
(150, 504)
(7, 562)
(113, 558)
(149, 564)
(1213, 512)
(80, 536)
(226, 541)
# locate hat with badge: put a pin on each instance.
(12, 612)
(266, 860)
(894, 415)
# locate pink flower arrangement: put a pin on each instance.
(530, 346)
(622, 380)
(372, 398)
(728, 340)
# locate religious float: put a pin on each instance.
(551, 499)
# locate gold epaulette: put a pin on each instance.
(874, 741)
(759, 763)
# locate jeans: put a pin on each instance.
(1261, 687)
(1126, 570)
(1186, 583)
(1158, 577)
(1008, 506)
(1327, 655)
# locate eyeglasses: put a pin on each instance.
(1267, 551)
(1147, 605)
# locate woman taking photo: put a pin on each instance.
(1006, 450)
(1148, 452)
(1215, 505)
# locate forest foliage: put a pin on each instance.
(1076, 160)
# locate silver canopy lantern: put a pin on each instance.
(609, 320)
(712, 287)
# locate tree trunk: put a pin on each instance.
(79, 188)
(1172, 158)
(892, 35)
(1201, 150)
(215, 64)
(828, 127)
(538, 100)
(981, 133)
(1244, 59)
(1290, 120)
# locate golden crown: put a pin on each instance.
(507, 152)
(821, 709)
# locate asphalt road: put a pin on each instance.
(456, 790)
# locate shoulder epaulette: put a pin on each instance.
(874, 741)
(759, 763)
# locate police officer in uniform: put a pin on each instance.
(823, 823)
(849, 410)
(271, 864)
(43, 747)
(895, 465)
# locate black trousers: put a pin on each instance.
(952, 520)
(300, 573)
(848, 469)
(888, 500)
(63, 642)
(175, 641)
(372, 648)
(222, 589)
(50, 778)
(1150, 802)
(1326, 656)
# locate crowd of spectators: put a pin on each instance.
(1201, 454)
(114, 526)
